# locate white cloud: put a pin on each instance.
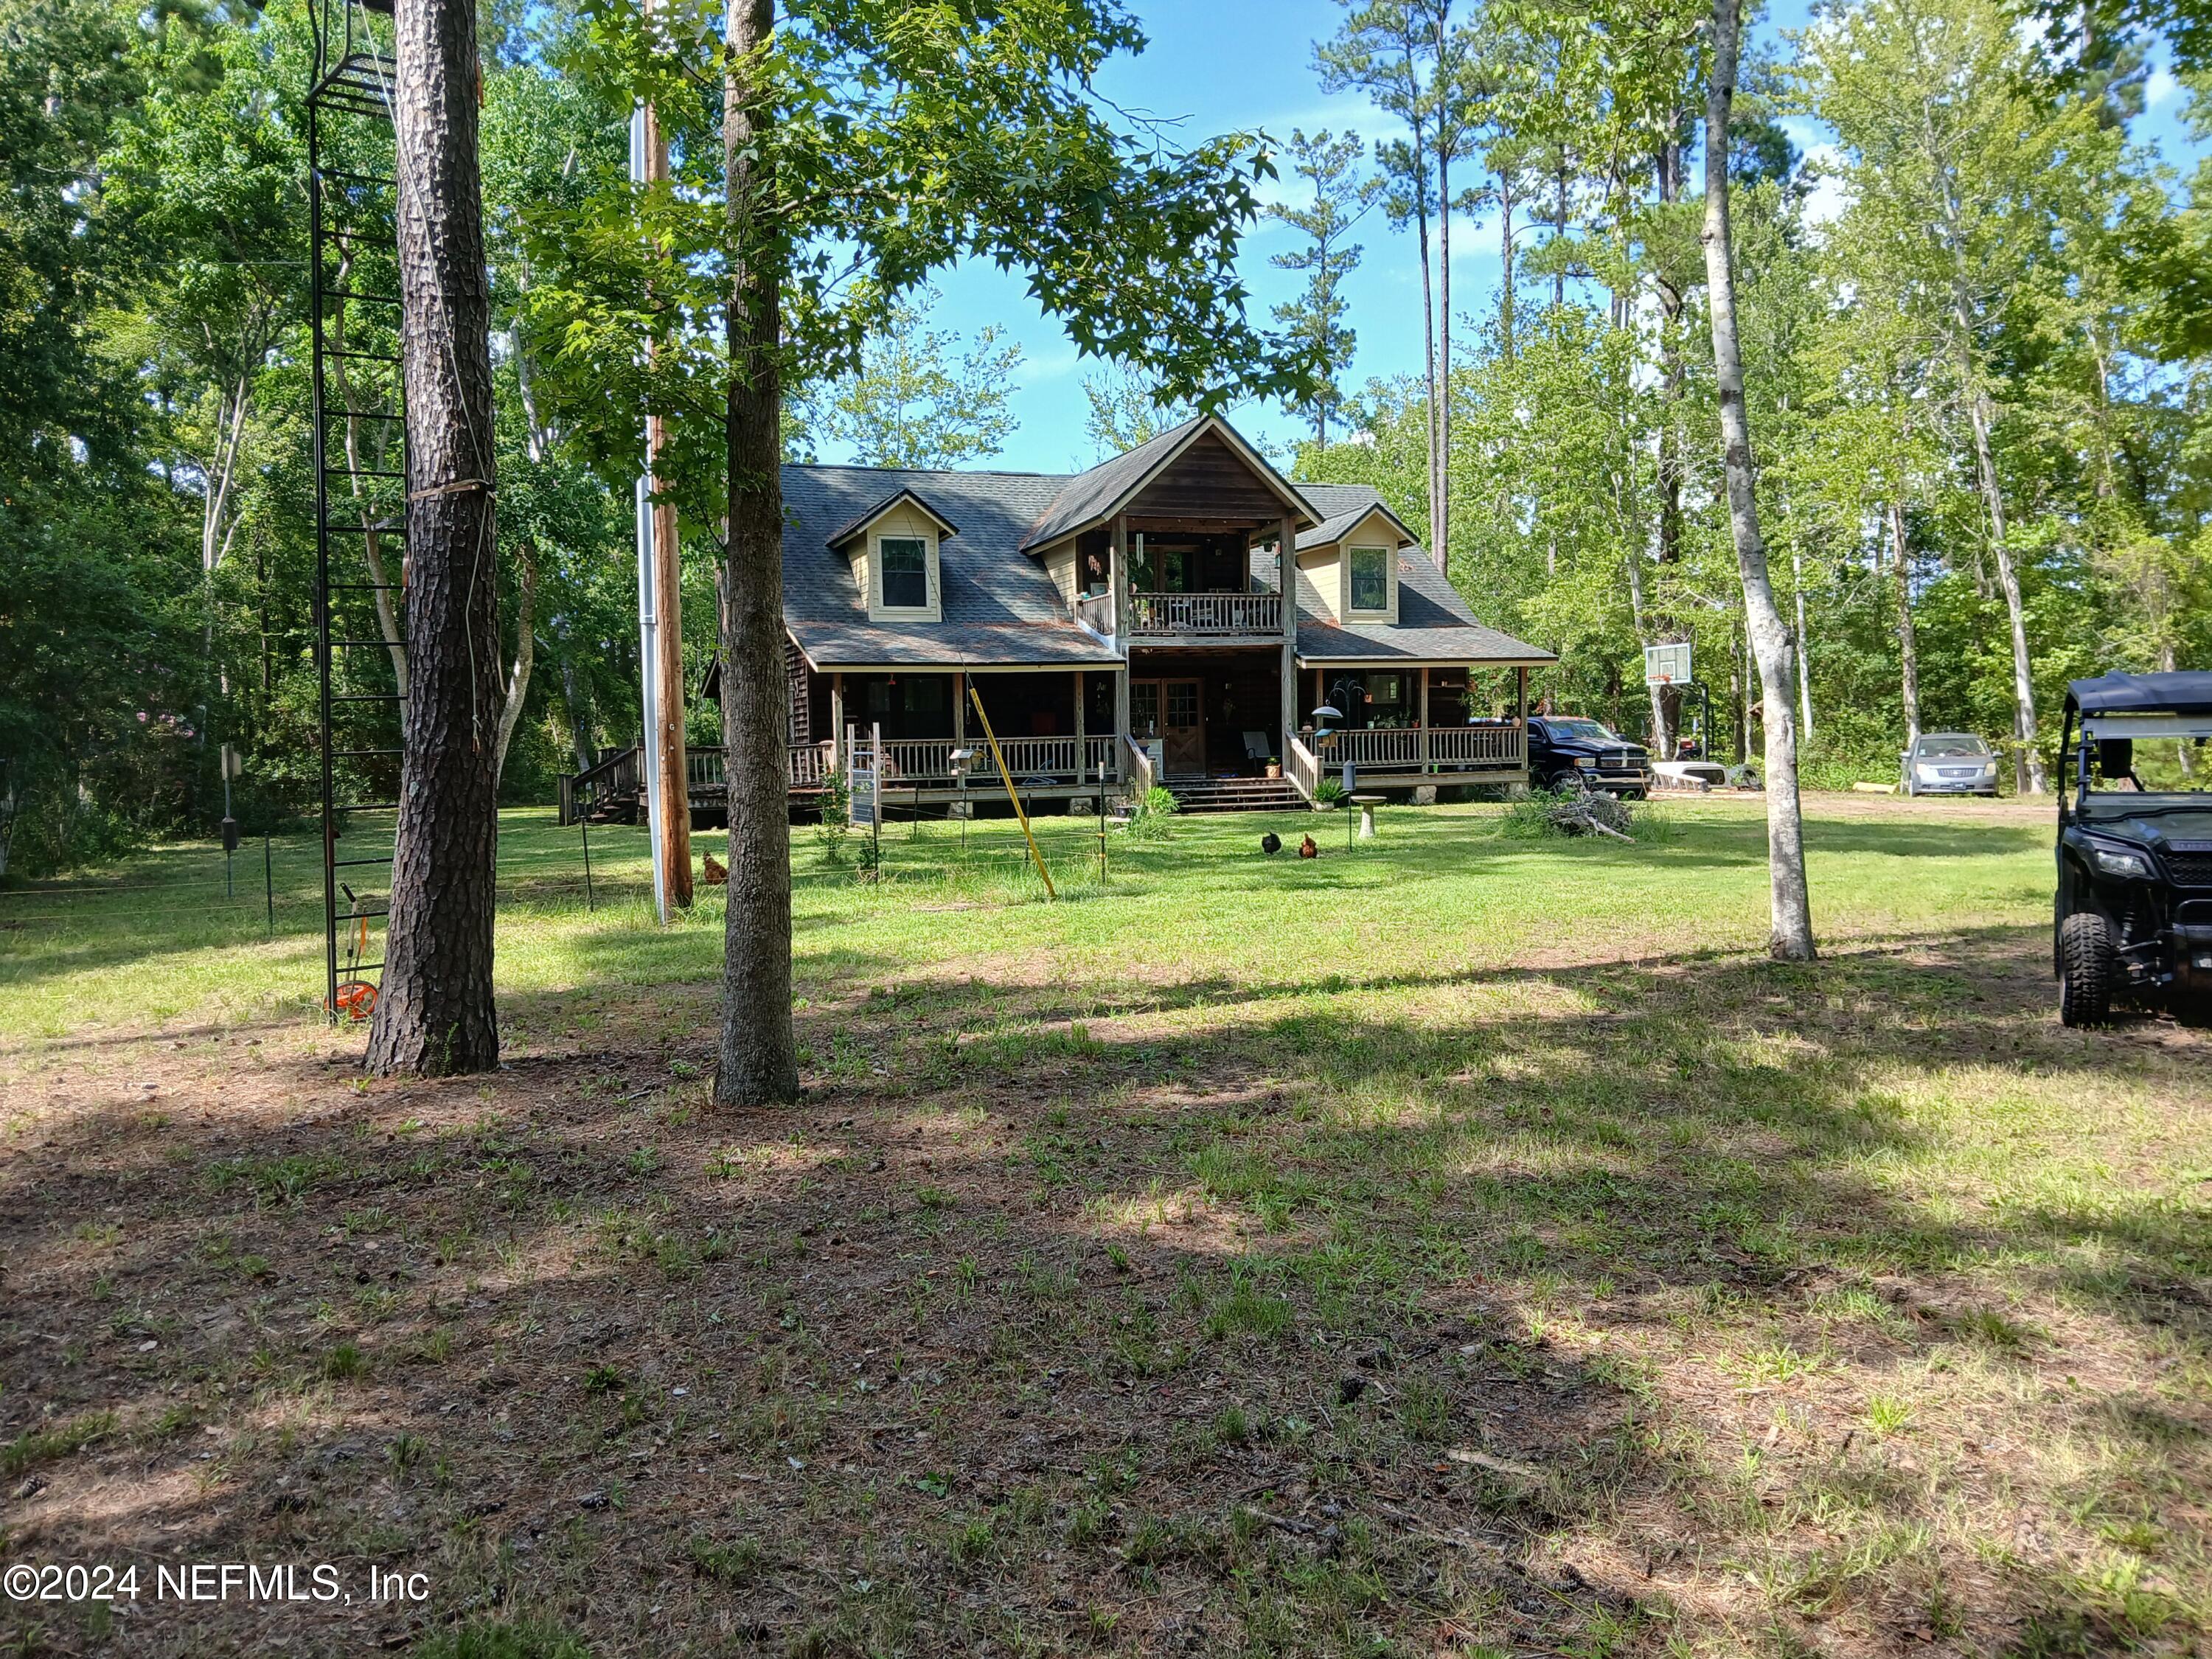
(2160, 86)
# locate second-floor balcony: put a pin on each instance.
(1204, 615)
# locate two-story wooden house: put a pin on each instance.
(1131, 624)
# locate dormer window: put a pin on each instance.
(906, 573)
(894, 547)
(1367, 577)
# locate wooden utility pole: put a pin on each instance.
(435, 1013)
(673, 819)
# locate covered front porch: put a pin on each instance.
(1055, 729)
(1413, 725)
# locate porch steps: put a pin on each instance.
(1235, 794)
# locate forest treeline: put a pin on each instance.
(1974, 327)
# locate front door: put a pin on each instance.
(1182, 727)
(1173, 711)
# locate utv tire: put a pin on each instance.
(2084, 970)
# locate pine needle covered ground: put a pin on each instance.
(1467, 1246)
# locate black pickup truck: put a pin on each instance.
(1565, 748)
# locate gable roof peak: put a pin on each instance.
(1092, 497)
(903, 494)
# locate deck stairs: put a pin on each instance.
(1235, 795)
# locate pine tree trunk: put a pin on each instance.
(1505, 264)
(1792, 934)
(435, 1013)
(1441, 529)
(758, 1062)
(1908, 644)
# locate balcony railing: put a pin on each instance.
(1425, 748)
(1203, 614)
(1096, 612)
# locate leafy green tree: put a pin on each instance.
(1421, 62)
(859, 146)
(1341, 197)
(917, 400)
(1124, 406)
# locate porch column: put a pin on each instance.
(1286, 583)
(1520, 715)
(1425, 717)
(1081, 770)
(837, 722)
(1120, 636)
(960, 709)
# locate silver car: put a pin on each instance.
(1949, 764)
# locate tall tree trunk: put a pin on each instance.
(1791, 904)
(758, 1062)
(581, 723)
(434, 1013)
(1661, 748)
(1505, 262)
(1908, 643)
(1429, 342)
(1441, 529)
(1559, 234)
(1674, 383)
(1804, 649)
(2028, 761)
(525, 655)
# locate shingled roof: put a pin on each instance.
(1001, 610)
(1434, 624)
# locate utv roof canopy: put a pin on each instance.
(2142, 693)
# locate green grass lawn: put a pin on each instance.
(1463, 1246)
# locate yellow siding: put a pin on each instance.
(901, 521)
(1060, 565)
(1324, 569)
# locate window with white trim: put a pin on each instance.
(905, 561)
(1367, 577)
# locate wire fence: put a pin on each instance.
(276, 881)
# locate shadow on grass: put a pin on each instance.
(1193, 1317)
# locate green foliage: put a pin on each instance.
(1150, 812)
(1329, 791)
(902, 140)
(835, 826)
(1341, 197)
(911, 403)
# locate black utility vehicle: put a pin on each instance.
(1563, 749)
(2134, 915)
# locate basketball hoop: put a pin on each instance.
(1665, 664)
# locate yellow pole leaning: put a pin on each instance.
(1008, 778)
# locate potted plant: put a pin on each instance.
(1274, 766)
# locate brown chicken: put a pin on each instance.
(717, 874)
(1307, 849)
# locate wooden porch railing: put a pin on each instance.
(1096, 612)
(1137, 765)
(1425, 748)
(1300, 767)
(1205, 613)
(619, 774)
(927, 762)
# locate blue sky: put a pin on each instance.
(1219, 65)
